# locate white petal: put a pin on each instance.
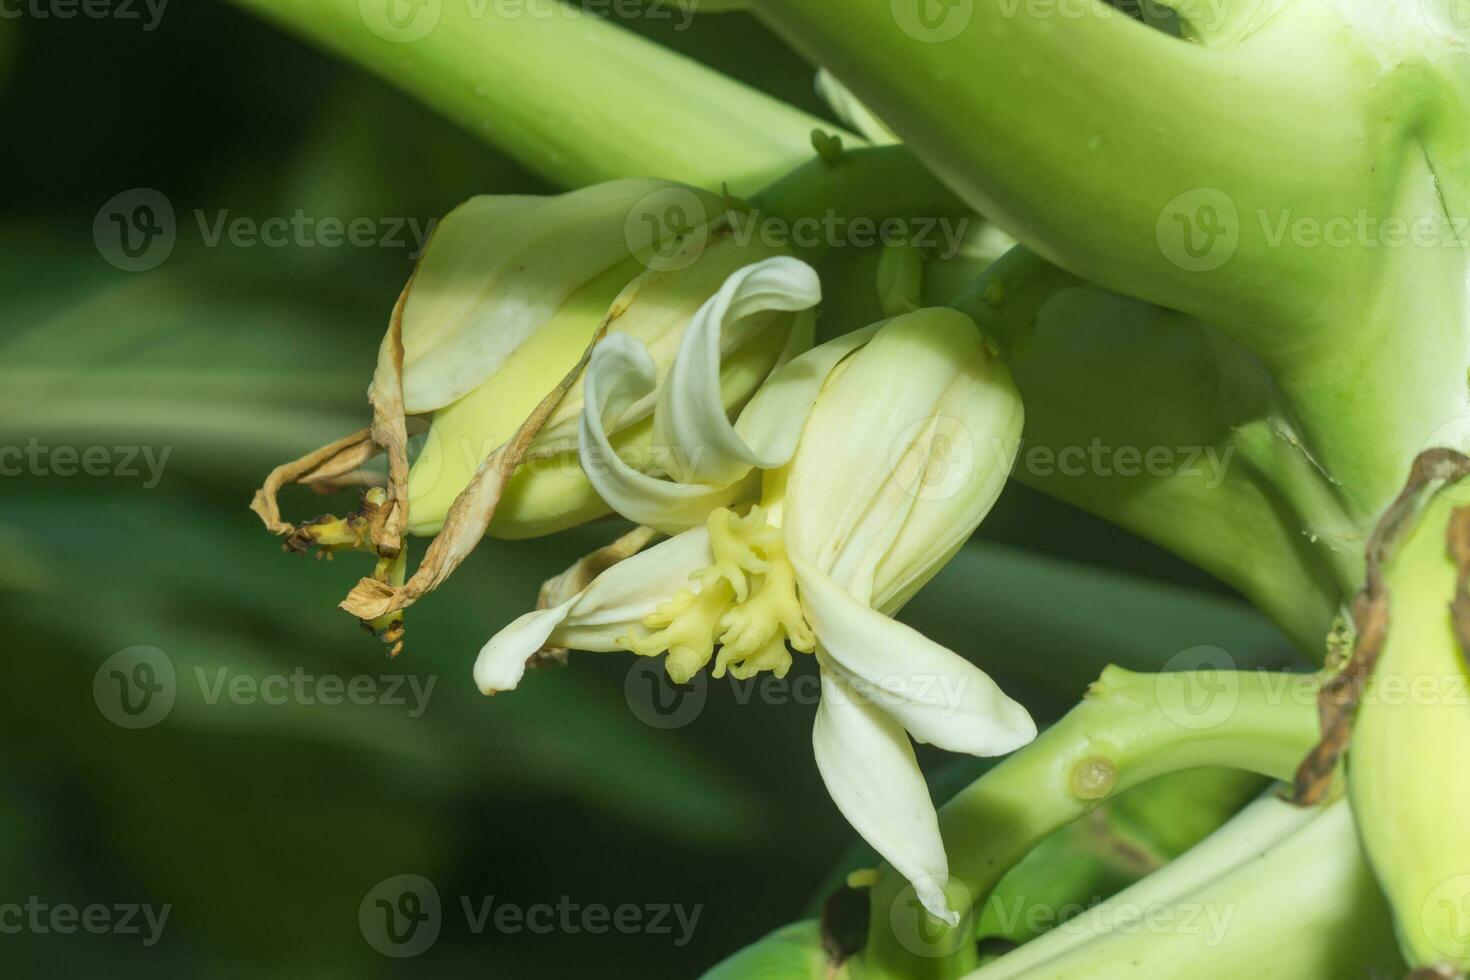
(923, 400)
(593, 619)
(770, 426)
(691, 415)
(772, 423)
(869, 768)
(619, 375)
(502, 662)
(939, 696)
(497, 268)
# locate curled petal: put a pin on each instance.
(497, 268)
(690, 411)
(711, 461)
(620, 374)
(939, 696)
(869, 768)
(611, 607)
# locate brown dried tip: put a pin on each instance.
(1459, 548)
(376, 598)
(470, 515)
(1337, 702)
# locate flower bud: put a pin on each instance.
(904, 453)
(505, 301)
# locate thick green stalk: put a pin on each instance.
(1267, 186)
(567, 94)
(1129, 729)
(1074, 132)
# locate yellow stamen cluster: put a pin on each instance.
(746, 605)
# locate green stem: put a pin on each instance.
(570, 96)
(1129, 729)
(856, 191)
(1280, 891)
(1263, 194)
(1056, 127)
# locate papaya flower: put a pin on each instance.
(849, 480)
(486, 352)
(509, 294)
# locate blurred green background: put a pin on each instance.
(265, 827)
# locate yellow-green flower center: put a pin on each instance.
(746, 605)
